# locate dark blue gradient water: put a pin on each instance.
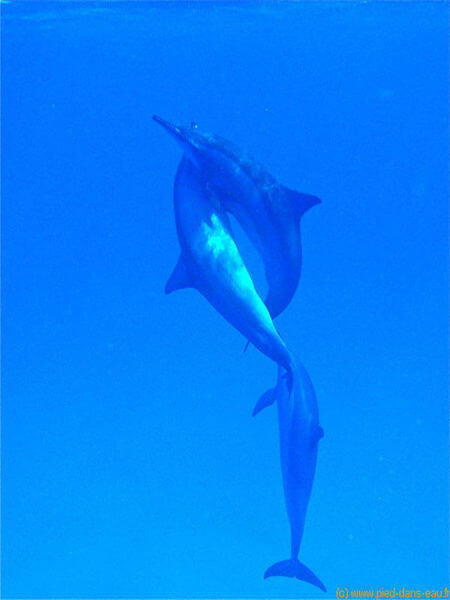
(131, 465)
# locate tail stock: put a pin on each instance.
(294, 568)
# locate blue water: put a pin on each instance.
(131, 465)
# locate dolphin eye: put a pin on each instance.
(194, 125)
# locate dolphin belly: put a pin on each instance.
(278, 248)
(215, 267)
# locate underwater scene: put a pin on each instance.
(225, 299)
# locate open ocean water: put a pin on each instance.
(131, 465)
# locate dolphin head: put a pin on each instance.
(189, 137)
(213, 155)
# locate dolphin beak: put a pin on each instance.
(172, 129)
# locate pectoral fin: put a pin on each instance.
(267, 399)
(180, 278)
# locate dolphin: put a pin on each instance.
(268, 212)
(300, 432)
(210, 262)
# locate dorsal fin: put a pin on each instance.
(179, 278)
(316, 434)
(299, 202)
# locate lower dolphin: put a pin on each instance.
(211, 263)
(300, 433)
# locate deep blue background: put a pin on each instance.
(131, 464)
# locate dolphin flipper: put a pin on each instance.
(267, 399)
(294, 568)
(179, 278)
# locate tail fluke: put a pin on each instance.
(294, 568)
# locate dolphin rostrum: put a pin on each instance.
(211, 263)
(300, 432)
(267, 211)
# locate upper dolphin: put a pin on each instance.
(211, 263)
(267, 211)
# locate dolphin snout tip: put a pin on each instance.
(160, 120)
(173, 129)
